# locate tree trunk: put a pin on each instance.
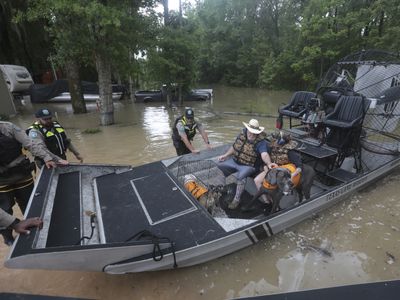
(180, 96)
(381, 22)
(105, 103)
(75, 87)
(131, 89)
(166, 12)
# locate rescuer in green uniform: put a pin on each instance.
(52, 134)
(184, 131)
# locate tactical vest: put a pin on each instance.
(190, 130)
(55, 138)
(295, 180)
(245, 152)
(10, 149)
(279, 154)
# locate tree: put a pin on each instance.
(23, 43)
(102, 33)
(171, 59)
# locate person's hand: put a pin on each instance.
(272, 165)
(295, 173)
(79, 157)
(63, 162)
(23, 226)
(222, 157)
(194, 151)
(209, 146)
(50, 164)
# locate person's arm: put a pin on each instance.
(227, 154)
(6, 219)
(267, 160)
(184, 138)
(75, 151)
(23, 226)
(36, 147)
(262, 147)
(187, 143)
(295, 159)
(204, 135)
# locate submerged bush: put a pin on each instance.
(91, 130)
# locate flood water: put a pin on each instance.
(360, 237)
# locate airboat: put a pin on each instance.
(123, 219)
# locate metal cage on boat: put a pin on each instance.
(374, 75)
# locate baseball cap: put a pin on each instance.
(189, 113)
(43, 113)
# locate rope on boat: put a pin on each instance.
(92, 226)
(158, 255)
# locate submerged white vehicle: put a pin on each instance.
(122, 219)
(18, 78)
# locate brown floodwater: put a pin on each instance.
(360, 236)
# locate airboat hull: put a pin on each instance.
(138, 201)
(122, 219)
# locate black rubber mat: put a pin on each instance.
(342, 175)
(65, 224)
(315, 151)
(124, 214)
(163, 198)
(258, 207)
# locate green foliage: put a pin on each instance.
(171, 59)
(281, 44)
(84, 29)
(288, 43)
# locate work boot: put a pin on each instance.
(234, 204)
(239, 190)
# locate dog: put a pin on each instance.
(207, 196)
(278, 182)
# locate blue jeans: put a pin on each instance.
(229, 166)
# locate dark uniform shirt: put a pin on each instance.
(35, 147)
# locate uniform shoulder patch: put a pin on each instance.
(33, 134)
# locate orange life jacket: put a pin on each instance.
(295, 180)
(195, 189)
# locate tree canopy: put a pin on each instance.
(278, 44)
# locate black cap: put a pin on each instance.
(189, 113)
(43, 113)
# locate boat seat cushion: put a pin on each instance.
(297, 105)
(349, 112)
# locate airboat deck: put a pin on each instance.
(119, 219)
(122, 219)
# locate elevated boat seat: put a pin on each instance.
(345, 126)
(348, 113)
(297, 105)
